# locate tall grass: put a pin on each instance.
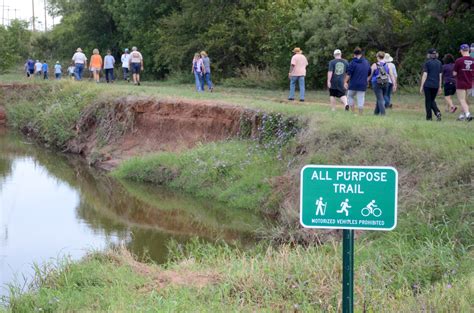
(265, 279)
(52, 113)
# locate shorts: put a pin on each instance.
(336, 93)
(449, 89)
(360, 96)
(31, 71)
(136, 67)
(95, 69)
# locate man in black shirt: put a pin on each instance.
(431, 83)
(336, 76)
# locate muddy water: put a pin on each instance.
(53, 206)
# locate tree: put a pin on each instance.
(15, 40)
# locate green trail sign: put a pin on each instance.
(348, 197)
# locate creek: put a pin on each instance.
(54, 206)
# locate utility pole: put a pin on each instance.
(3, 12)
(45, 16)
(33, 7)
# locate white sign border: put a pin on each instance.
(349, 167)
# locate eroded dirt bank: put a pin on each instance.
(109, 132)
(3, 117)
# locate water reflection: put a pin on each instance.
(53, 205)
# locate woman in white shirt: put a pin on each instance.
(198, 70)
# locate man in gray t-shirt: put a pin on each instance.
(336, 75)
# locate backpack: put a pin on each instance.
(382, 77)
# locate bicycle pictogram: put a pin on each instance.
(371, 208)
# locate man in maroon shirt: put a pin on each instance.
(464, 71)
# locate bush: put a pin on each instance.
(253, 77)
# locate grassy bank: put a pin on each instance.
(425, 264)
(215, 278)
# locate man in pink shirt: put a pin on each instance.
(297, 73)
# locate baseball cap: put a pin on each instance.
(464, 47)
(432, 51)
(357, 51)
(337, 51)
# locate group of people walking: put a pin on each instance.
(454, 76)
(41, 69)
(202, 71)
(131, 62)
(348, 81)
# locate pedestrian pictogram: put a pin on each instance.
(344, 206)
(320, 207)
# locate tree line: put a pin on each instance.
(253, 39)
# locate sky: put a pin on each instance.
(24, 11)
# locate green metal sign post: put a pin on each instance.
(348, 198)
(347, 271)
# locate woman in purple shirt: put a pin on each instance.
(449, 82)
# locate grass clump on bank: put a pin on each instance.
(235, 172)
(49, 113)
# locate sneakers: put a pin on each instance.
(291, 99)
(461, 117)
(346, 107)
(469, 118)
(301, 100)
(438, 117)
(453, 109)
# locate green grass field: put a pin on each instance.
(424, 265)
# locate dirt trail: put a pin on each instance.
(160, 278)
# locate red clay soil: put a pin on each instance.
(3, 116)
(161, 125)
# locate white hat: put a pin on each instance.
(387, 58)
(337, 51)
